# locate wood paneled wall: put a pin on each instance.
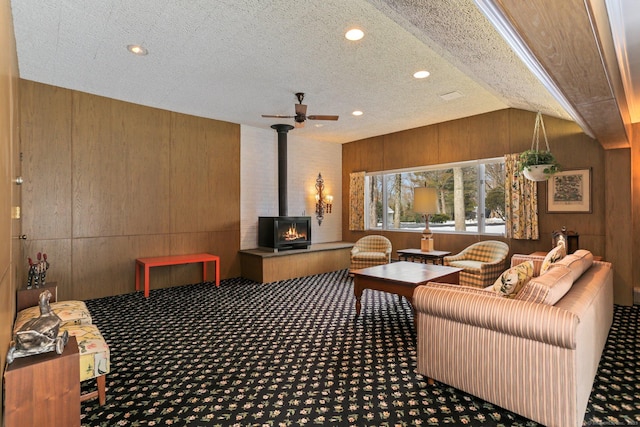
(107, 182)
(9, 192)
(493, 135)
(635, 199)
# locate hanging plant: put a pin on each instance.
(538, 165)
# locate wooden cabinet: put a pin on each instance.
(44, 390)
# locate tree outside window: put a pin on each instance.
(470, 198)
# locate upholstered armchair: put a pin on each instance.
(370, 251)
(481, 262)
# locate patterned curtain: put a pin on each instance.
(356, 201)
(521, 202)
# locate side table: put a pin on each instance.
(43, 390)
(436, 257)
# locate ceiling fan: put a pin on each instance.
(301, 113)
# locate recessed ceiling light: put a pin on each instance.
(137, 49)
(421, 74)
(354, 34)
(357, 113)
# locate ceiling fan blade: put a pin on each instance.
(301, 109)
(278, 116)
(319, 117)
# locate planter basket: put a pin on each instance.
(536, 172)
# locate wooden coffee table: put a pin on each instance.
(400, 278)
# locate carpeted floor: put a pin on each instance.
(291, 353)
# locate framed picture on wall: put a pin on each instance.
(569, 192)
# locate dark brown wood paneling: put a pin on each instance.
(205, 174)
(224, 243)
(145, 133)
(104, 266)
(422, 143)
(120, 164)
(635, 205)
(363, 155)
(126, 190)
(10, 252)
(99, 169)
(45, 121)
(478, 137)
(521, 125)
(618, 221)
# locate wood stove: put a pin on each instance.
(284, 232)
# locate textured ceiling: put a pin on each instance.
(234, 60)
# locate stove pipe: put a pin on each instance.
(282, 167)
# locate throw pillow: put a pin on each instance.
(555, 254)
(549, 288)
(511, 281)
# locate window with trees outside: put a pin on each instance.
(470, 198)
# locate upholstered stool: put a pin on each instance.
(75, 318)
(94, 358)
(70, 313)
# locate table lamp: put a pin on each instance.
(425, 202)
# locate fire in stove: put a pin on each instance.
(292, 234)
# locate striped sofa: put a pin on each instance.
(481, 262)
(533, 358)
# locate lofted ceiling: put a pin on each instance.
(235, 60)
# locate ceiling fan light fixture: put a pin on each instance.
(422, 74)
(357, 113)
(354, 34)
(136, 49)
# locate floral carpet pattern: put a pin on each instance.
(292, 353)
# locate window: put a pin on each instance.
(470, 198)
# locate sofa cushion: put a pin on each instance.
(554, 255)
(578, 262)
(70, 313)
(511, 281)
(547, 288)
(468, 265)
(370, 256)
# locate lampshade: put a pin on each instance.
(425, 200)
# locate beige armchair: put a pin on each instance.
(481, 262)
(370, 251)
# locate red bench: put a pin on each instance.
(147, 263)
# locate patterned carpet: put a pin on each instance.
(289, 353)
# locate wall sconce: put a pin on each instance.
(323, 202)
(425, 201)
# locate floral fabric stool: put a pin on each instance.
(94, 358)
(70, 313)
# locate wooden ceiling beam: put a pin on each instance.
(571, 40)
